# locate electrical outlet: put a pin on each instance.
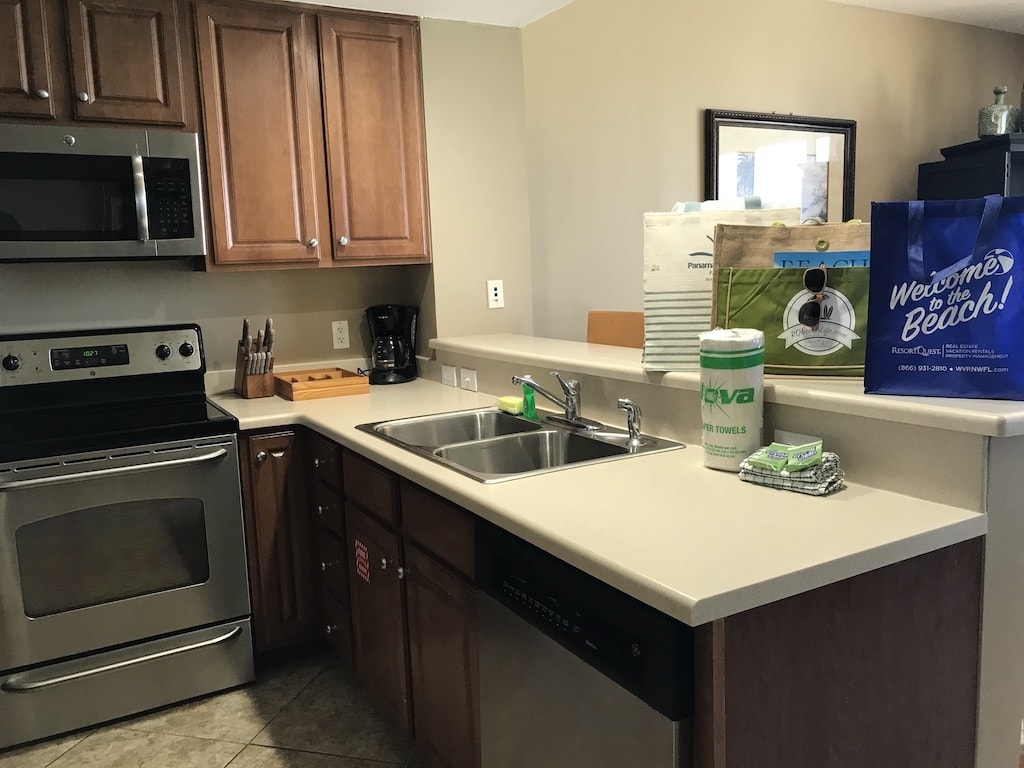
(469, 379)
(448, 375)
(339, 332)
(495, 294)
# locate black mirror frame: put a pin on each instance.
(715, 118)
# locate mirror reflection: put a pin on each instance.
(785, 160)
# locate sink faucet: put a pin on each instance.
(571, 403)
(633, 416)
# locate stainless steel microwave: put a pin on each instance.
(71, 193)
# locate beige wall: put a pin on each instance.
(615, 94)
(476, 160)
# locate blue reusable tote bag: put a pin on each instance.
(945, 307)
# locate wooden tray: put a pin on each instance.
(320, 382)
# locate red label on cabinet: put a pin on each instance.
(362, 561)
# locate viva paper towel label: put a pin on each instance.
(731, 395)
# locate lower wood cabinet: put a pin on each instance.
(441, 609)
(414, 609)
(278, 539)
(378, 612)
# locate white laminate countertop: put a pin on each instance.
(994, 418)
(695, 543)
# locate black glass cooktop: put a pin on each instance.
(61, 430)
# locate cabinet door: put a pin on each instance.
(373, 114)
(443, 661)
(278, 541)
(264, 141)
(26, 84)
(126, 60)
(378, 615)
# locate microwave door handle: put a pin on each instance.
(37, 482)
(141, 211)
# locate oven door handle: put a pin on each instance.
(13, 684)
(39, 482)
(141, 209)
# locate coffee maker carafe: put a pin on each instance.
(393, 343)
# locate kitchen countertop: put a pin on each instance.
(695, 543)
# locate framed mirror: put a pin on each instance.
(785, 160)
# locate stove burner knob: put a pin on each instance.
(186, 349)
(163, 351)
(11, 363)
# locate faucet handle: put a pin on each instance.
(570, 387)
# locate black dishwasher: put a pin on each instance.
(574, 672)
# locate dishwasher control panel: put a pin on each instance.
(640, 648)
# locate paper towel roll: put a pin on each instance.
(731, 395)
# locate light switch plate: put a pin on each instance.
(469, 379)
(449, 376)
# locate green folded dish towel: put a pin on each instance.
(819, 480)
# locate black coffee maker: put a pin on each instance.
(393, 343)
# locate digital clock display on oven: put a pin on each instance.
(88, 357)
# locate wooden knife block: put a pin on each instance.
(252, 385)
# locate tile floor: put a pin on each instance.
(309, 713)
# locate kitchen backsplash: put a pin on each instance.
(303, 303)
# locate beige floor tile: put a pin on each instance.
(236, 715)
(265, 757)
(334, 716)
(39, 755)
(126, 748)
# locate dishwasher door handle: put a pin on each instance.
(41, 482)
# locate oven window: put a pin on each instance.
(112, 552)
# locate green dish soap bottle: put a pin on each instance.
(529, 404)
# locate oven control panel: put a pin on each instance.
(42, 359)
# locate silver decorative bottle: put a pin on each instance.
(998, 118)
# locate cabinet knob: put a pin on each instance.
(83, 96)
(325, 564)
(316, 463)
(261, 456)
(313, 242)
(42, 93)
(330, 629)
(320, 509)
(402, 572)
(342, 240)
(383, 563)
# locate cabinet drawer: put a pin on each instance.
(328, 508)
(371, 487)
(337, 625)
(324, 460)
(332, 565)
(439, 526)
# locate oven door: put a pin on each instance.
(104, 549)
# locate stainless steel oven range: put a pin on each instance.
(123, 582)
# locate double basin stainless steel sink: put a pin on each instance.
(491, 445)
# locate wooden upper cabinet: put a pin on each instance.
(126, 60)
(26, 84)
(373, 113)
(264, 143)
